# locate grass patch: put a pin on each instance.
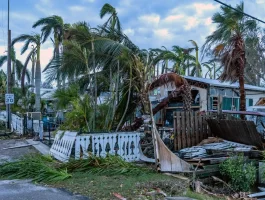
(97, 178)
(102, 187)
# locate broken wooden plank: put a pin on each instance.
(20, 146)
(180, 144)
(178, 176)
(183, 130)
(187, 130)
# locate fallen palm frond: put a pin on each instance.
(36, 167)
(111, 165)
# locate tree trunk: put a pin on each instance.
(117, 84)
(242, 92)
(128, 100)
(95, 85)
(57, 52)
(38, 82)
(33, 73)
(197, 63)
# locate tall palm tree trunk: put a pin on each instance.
(117, 83)
(242, 92)
(33, 73)
(38, 81)
(240, 63)
(197, 63)
(95, 85)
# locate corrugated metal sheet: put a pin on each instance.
(217, 83)
(236, 131)
(201, 151)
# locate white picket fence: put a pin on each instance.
(124, 144)
(17, 125)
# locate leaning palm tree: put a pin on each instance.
(113, 21)
(228, 43)
(36, 41)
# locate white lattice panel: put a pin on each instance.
(125, 144)
(62, 145)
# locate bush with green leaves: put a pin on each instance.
(242, 175)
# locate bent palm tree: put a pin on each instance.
(36, 41)
(228, 41)
(113, 21)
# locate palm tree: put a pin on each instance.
(17, 67)
(113, 21)
(36, 41)
(52, 23)
(197, 63)
(228, 41)
(213, 69)
(56, 25)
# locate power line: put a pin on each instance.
(239, 11)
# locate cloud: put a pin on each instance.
(76, 8)
(191, 22)
(173, 18)
(260, 1)
(89, 1)
(163, 33)
(46, 2)
(202, 7)
(152, 19)
(23, 16)
(129, 32)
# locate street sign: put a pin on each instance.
(9, 98)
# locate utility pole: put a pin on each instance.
(9, 83)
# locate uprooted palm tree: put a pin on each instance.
(35, 40)
(228, 41)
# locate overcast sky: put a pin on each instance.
(149, 23)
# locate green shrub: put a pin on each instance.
(241, 175)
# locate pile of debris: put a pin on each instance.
(204, 149)
(212, 151)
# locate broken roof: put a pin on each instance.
(217, 83)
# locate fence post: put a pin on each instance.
(40, 131)
(32, 129)
(49, 129)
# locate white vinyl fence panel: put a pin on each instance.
(62, 146)
(124, 144)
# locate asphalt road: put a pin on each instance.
(25, 190)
